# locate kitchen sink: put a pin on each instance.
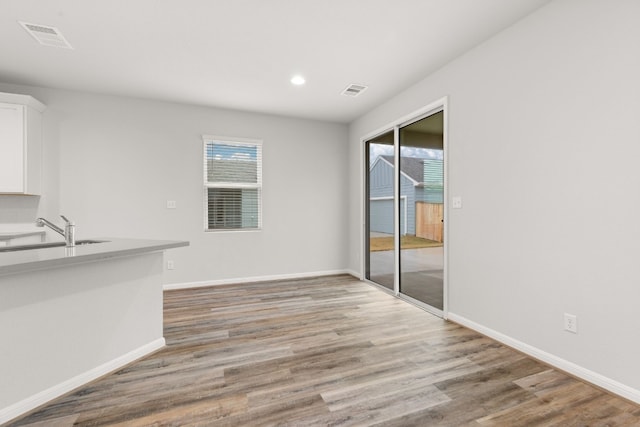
(47, 245)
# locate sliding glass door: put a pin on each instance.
(405, 213)
(422, 181)
(380, 210)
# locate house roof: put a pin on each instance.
(423, 172)
(232, 170)
(410, 166)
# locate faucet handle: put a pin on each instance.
(66, 220)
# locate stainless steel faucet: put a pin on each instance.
(69, 232)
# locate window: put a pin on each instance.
(232, 183)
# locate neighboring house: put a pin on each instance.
(230, 207)
(421, 180)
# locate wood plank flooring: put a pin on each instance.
(329, 351)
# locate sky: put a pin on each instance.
(376, 150)
(235, 152)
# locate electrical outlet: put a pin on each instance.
(571, 323)
(170, 265)
(171, 204)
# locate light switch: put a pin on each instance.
(456, 202)
(171, 204)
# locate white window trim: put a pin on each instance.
(248, 142)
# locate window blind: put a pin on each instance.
(233, 184)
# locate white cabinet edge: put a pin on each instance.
(28, 100)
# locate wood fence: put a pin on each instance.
(429, 218)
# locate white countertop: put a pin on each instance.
(39, 259)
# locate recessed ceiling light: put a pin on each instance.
(297, 80)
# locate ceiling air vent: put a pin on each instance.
(354, 90)
(45, 35)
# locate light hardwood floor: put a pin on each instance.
(327, 351)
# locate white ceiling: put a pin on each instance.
(241, 54)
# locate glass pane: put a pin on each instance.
(232, 163)
(232, 208)
(380, 212)
(422, 210)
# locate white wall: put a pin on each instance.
(111, 163)
(66, 326)
(544, 148)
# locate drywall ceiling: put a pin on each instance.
(241, 54)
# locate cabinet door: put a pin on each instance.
(11, 148)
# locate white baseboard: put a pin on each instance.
(30, 403)
(354, 273)
(555, 361)
(204, 283)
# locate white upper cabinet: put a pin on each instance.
(20, 144)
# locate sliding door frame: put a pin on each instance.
(426, 111)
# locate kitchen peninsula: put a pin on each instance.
(69, 315)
